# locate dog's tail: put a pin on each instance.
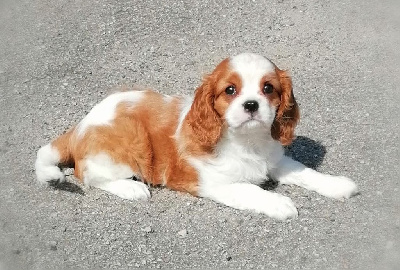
(51, 156)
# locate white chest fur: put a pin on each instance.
(240, 158)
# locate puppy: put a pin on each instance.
(220, 145)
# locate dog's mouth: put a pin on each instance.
(251, 123)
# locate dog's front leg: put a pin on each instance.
(246, 196)
(291, 172)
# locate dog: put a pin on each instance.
(220, 145)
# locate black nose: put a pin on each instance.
(250, 106)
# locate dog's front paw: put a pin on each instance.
(338, 187)
(279, 207)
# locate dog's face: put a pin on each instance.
(247, 92)
(243, 93)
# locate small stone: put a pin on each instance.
(53, 245)
(147, 229)
(182, 233)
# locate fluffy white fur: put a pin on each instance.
(242, 163)
(103, 173)
(291, 172)
(46, 165)
(103, 113)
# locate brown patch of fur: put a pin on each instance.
(223, 100)
(287, 114)
(141, 137)
(274, 97)
(62, 144)
(202, 125)
(205, 122)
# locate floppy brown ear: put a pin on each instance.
(203, 123)
(288, 114)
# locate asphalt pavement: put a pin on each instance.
(58, 58)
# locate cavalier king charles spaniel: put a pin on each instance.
(221, 144)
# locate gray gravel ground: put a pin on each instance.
(58, 58)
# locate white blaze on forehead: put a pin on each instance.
(251, 68)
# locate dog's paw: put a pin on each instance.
(338, 187)
(127, 189)
(45, 174)
(279, 207)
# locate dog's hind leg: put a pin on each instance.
(102, 172)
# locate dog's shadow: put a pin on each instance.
(67, 186)
(306, 151)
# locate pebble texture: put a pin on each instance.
(58, 58)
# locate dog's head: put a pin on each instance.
(244, 93)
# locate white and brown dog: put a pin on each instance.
(220, 145)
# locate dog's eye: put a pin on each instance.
(230, 90)
(268, 88)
